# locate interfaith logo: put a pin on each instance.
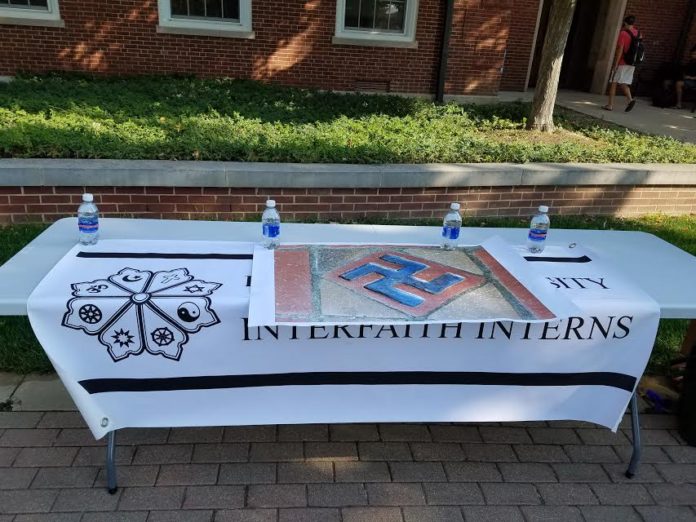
(412, 285)
(137, 311)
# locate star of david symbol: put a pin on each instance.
(410, 284)
(137, 311)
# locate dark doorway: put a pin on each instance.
(579, 59)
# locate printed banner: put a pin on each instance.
(156, 334)
(396, 284)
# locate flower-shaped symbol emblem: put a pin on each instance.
(138, 310)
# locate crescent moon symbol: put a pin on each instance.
(133, 278)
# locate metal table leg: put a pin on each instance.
(635, 425)
(112, 486)
(687, 401)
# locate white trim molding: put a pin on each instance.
(203, 27)
(356, 36)
(49, 17)
(534, 45)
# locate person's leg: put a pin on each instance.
(612, 92)
(679, 87)
(626, 89)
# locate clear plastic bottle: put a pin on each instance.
(271, 225)
(451, 227)
(538, 230)
(88, 220)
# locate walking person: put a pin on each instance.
(629, 52)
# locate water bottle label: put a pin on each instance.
(271, 230)
(88, 225)
(450, 232)
(537, 234)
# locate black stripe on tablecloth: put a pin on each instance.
(581, 259)
(211, 382)
(162, 255)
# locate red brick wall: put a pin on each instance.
(477, 47)
(36, 204)
(519, 46)
(292, 46)
(661, 24)
(691, 39)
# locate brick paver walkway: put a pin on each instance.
(52, 469)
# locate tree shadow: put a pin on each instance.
(101, 49)
(122, 98)
(363, 135)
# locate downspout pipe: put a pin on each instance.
(444, 51)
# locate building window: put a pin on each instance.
(30, 12)
(25, 4)
(217, 10)
(376, 20)
(230, 18)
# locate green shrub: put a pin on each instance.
(185, 118)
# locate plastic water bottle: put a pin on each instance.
(88, 220)
(451, 226)
(538, 229)
(271, 225)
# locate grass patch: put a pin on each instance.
(20, 352)
(183, 118)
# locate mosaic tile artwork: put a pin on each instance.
(334, 283)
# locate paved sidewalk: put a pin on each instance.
(52, 469)
(678, 124)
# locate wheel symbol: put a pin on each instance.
(162, 336)
(90, 314)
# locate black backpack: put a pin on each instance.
(636, 52)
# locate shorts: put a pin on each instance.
(690, 84)
(623, 74)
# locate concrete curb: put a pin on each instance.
(154, 173)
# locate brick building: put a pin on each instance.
(383, 45)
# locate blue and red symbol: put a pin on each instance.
(412, 285)
(387, 285)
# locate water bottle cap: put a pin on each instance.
(543, 208)
(270, 203)
(455, 206)
(87, 197)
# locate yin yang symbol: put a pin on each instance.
(188, 312)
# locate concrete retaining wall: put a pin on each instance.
(45, 190)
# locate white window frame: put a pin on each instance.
(27, 16)
(176, 25)
(364, 37)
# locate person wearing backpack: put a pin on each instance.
(629, 53)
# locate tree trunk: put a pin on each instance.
(560, 19)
